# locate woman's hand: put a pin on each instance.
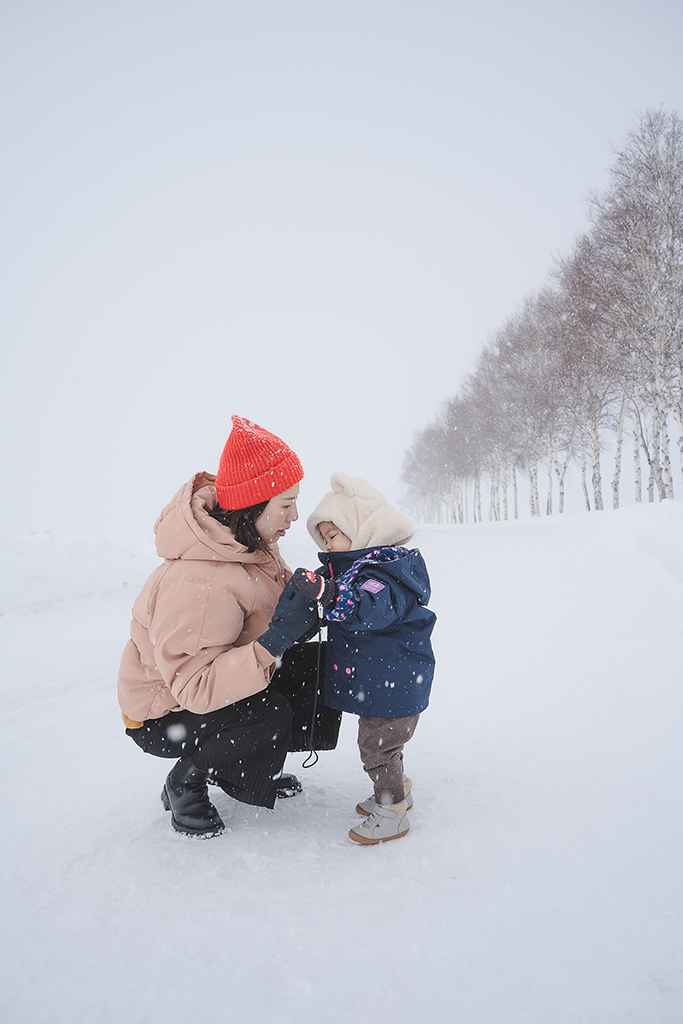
(294, 615)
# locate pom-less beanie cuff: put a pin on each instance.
(255, 466)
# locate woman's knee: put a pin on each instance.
(268, 710)
(280, 712)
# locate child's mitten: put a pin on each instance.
(315, 586)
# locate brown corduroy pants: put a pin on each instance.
(381, 742)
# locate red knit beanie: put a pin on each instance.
(255, 466)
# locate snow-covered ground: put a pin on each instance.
(541, 881)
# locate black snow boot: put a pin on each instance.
(185, 796)
(287, 785)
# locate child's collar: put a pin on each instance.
(340, 561)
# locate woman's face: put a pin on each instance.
(278, 516)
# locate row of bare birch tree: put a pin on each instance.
(592, 359)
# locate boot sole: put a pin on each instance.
(286, 792)
(374, 842)
(208, 833)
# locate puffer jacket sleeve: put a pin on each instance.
(370, 600)
(213, 678)
(202, 644)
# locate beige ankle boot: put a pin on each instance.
(368, 806)
(383, 824)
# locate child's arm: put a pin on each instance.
(314, 585)
(362, 600)
(372, 599)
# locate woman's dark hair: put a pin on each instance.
(242, 523)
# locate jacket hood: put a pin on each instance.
(361, 512)
(186, 530)
(406, 566)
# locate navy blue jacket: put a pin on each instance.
(379, 653)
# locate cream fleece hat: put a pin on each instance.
(361, 512)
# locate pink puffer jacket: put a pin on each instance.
(196, 620)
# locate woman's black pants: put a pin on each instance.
(243, 746)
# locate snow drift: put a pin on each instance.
(541, 878)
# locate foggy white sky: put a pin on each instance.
(308, 213)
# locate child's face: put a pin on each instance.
(334, 539)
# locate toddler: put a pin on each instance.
(379, 662)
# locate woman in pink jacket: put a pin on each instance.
(210, 675)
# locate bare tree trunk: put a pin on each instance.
(637, 471)
(652, 457)
(617, 457)
(656, 464)
(583, 474)
(666, 461)
(534, 501)
(551, 456)
(560, 489)
(562, 471)
(537, 496)
(514, 488)
(492, 492)
(665, 486)
(678, 405)
(678, 414)
(596, 477)
(505, 488)
(476, 500)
